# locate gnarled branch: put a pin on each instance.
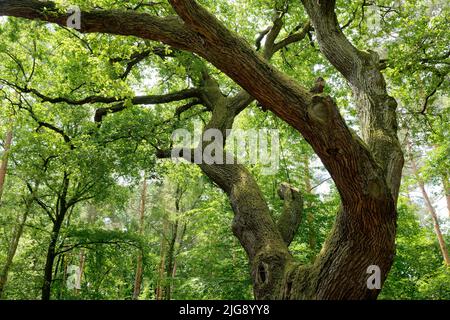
(291, 217)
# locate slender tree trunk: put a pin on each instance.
(139, 267)
(431, 210)
(50, 259)
(176, 253)
(91, 216)
(61, 209)
(162, 262)
(312, 237)
(4, 164)
(138, 277)
(80, 274)
(64, 272)
(59, 268)
(13, 247)
(174, 272)
(170, 261)
(446, 184)
(171, 250)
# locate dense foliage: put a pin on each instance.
(100, 178)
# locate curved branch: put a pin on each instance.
(272, 36)
(261, 36)
(377, 110)
(430, 95)
(186, 107)
(169, 30)
(147, 99)
(47, 125)
(294, 37)
(43, 205)
(152, 99)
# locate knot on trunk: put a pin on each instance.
(262, 276)
(321, 109)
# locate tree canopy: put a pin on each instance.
(349, 99)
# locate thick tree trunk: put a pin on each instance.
(4, 164)
(363, 235)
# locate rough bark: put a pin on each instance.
(265, 241)
(316, 117)
(291, 217)
(378, 123)
(362, 69)
(275, 274)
